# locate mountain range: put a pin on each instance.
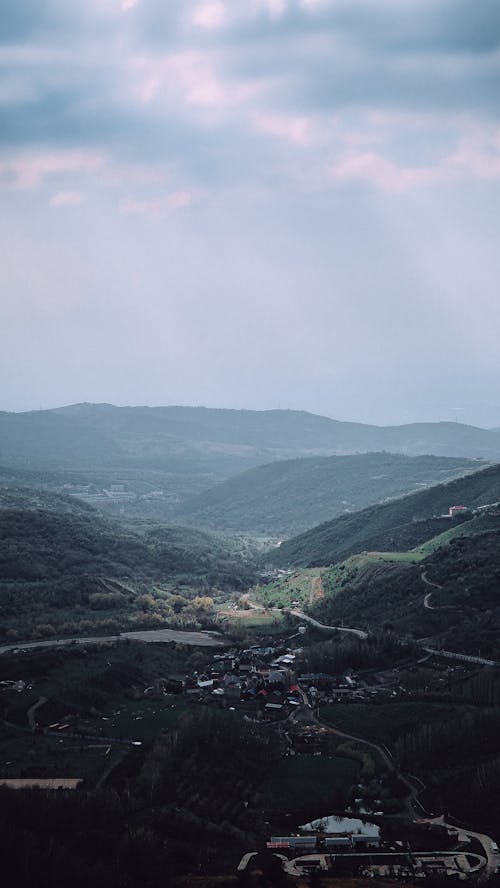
(218, 440)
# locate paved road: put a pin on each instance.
(197, 639)
(492, 859)
(360, 633)
(427, 597)
(386, 757)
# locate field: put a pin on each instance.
(305, 587)
(251, 620)
(37, 756)
(140, 720)
(302, 780)
(97, 693)
(301, 586)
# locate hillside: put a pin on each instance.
(144, 462)
(61, 561)
(398, 525)
(462, 577)
(286, 497)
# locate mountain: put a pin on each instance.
(142, 462)
(286, 497)
(398, 525)
(224, 441)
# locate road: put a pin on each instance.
(360, 633)
(31, 712)
(492, 859)
(427, 597)
(196, 639)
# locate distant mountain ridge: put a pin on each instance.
(217, 441)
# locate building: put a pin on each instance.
(457, 511)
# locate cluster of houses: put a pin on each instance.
(254, 679)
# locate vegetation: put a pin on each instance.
(300, 586)
(185, 802)
(386, 722)
(457, 759)
(162, 456)
(464, 612)
(319, 780)
(83, 433)
(395, 526)
(69, 570)
(284, 498)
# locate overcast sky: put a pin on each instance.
(252, 203)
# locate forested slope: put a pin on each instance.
(60, 560)
(400, 524)
(286, 497)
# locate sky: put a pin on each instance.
(252, 204)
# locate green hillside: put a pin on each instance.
(159, 457)
(398, 525)
(60, 561)
(462, 612)
(284, 498)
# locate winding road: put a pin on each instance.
(360, 633)
(427, 597)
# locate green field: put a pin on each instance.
(305, 779)
(252, 620)
(33, 755)
(143, 719)
(297, 586)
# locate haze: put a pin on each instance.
(252, 203)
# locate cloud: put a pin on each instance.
(158, 206)
(66, 199)
(225, 94)
(210, 14)
(28, 171)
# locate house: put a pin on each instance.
(457, 511)
(232, 687)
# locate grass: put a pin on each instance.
(357, 570)
(34, 755)
(265, 623)
(307, 777)
(143, 719)
(410, 557)
(297, 586)
(482, 524)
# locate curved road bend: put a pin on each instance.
(427, 597)
(360, 633)
(492, 859)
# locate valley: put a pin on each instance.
(223, 680)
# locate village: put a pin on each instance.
(266, 684)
